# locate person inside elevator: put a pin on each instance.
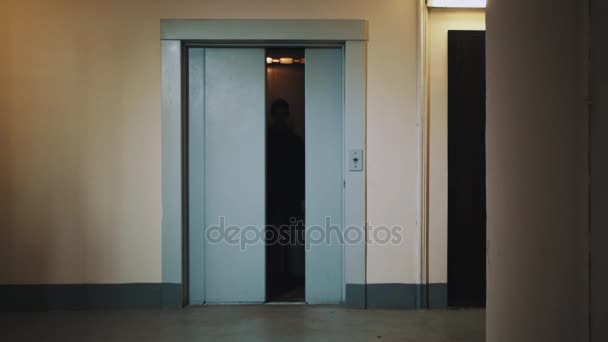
(285, 172)
(286, 166)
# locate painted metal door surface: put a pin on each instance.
(234, 175)
(324, 176)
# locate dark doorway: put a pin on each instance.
(285, 175)
(466, 169)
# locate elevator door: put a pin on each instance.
(324, 181)
(226, 163)
(227, 152)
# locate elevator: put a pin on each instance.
(239, 116)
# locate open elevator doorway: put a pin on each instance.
(285, 175)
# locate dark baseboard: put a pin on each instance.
(438, 296)
(172, 296)
(396, 296)
(355, 296)
(393, 296)
(45, 297)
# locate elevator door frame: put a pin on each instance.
(177, 36)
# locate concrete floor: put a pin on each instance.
(247, 323)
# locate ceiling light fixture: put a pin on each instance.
(457, 3)
(285, 60)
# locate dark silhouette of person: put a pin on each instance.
(285, 153)
(285, 192)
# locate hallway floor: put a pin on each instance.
(247, 323)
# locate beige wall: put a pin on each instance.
(4, 135)
(440, 22)
(536, 150)
(84, 149)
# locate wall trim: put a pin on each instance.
(437, 296)
(263, 30)
(423, 140)
(397, 296)
(49, 297)
(355, 296)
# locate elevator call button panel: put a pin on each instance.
(355, 160)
